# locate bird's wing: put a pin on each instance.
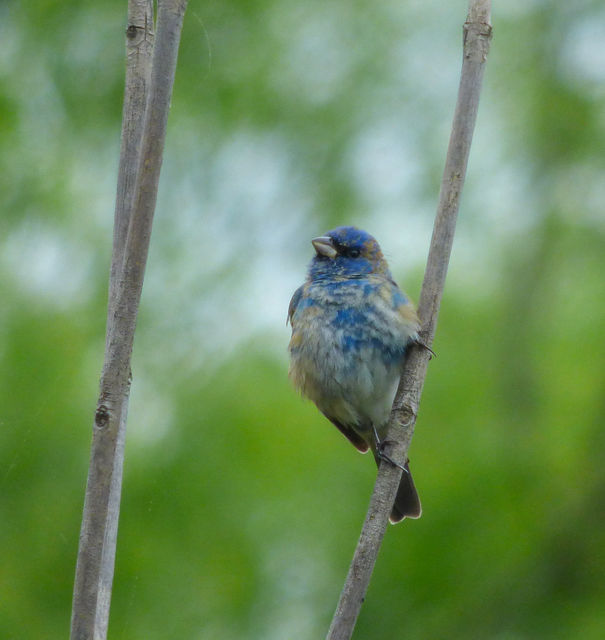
(405, 308)
(294, 303)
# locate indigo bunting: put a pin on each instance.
(351, 326)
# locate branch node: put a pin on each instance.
(477, 36)
(102, 416)
(406, 415)
(131, 31)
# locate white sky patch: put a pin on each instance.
(47, 264)
(382, 162)
(582, 56)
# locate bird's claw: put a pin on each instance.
(380, 445)
(426, 348)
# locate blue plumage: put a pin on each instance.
(351, 325)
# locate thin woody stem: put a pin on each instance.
(137, 191)
(477, 35)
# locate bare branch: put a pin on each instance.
(142, 147)
(477, 35)
(139, 49)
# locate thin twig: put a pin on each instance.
(477, 35)
(134, 216)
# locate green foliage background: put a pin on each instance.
(241, 505)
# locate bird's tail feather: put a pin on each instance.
(407, 503)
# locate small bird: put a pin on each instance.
(351, 327)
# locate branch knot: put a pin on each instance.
(102, 416)
(476, 40)
(131, 31)
(406, 415)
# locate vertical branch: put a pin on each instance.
(477, 35)
(140, 163)
(139, 49)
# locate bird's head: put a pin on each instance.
(347, 252)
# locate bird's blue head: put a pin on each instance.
(347, 252)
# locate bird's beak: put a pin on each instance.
(324, 246)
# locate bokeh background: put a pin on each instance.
(241, 504)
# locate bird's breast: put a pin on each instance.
(347, 342)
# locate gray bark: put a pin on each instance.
(477, 35)
(147, 100)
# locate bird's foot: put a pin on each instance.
(426, 348)
(380, 445)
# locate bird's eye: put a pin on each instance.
(354, 253)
